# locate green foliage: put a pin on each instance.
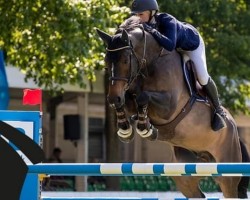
(55, 42)
(224, 27)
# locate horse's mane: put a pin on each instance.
(130, 24)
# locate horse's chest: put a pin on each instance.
(166, 133)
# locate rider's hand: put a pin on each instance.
(147, 27)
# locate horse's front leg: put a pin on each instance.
(125, 130)
(144, 128)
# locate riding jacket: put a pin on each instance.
(173, 34)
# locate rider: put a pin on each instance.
(173, 34)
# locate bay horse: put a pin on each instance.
(149, 90)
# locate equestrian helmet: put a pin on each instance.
(139, 6)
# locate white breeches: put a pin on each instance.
(198, 56)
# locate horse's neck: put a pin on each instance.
(163, 72)
(153, 49)
(146, 47)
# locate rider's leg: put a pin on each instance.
(211, 90)
(198, 56)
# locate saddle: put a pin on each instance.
(193, 85)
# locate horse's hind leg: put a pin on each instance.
(189, 186)
(228, 186)
(234, 187)
(244, 181)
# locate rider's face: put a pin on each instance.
(144, 16)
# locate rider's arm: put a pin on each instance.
(167, 38)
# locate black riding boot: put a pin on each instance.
(218, 121)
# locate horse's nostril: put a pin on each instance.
(114, 101)
(118, 100)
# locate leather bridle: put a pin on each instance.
(141, 63)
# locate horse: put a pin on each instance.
(150, 92)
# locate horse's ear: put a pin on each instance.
(104, 36)
(125, 37)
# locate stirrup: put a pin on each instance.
(221, 112)
(218, 121)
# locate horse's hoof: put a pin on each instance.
(154, 135)
(242, 194)
(127, 135)
(127, 140)
(151, 133)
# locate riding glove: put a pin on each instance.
(148, 28)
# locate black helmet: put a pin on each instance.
(143, 5)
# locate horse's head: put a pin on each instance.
(124, 59)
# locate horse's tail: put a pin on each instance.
(244, 182)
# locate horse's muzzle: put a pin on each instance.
(115, 101)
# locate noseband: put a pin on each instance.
(141, 63)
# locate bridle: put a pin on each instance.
(141, 63)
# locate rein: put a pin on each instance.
(141, 63)
(118, 49)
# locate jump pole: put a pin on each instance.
(30, 123)
(142, 169)
(96, 198)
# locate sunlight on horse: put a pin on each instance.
(150, 91)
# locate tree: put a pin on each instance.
(224, 27)
(55, 42)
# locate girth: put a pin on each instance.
(170, 127)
